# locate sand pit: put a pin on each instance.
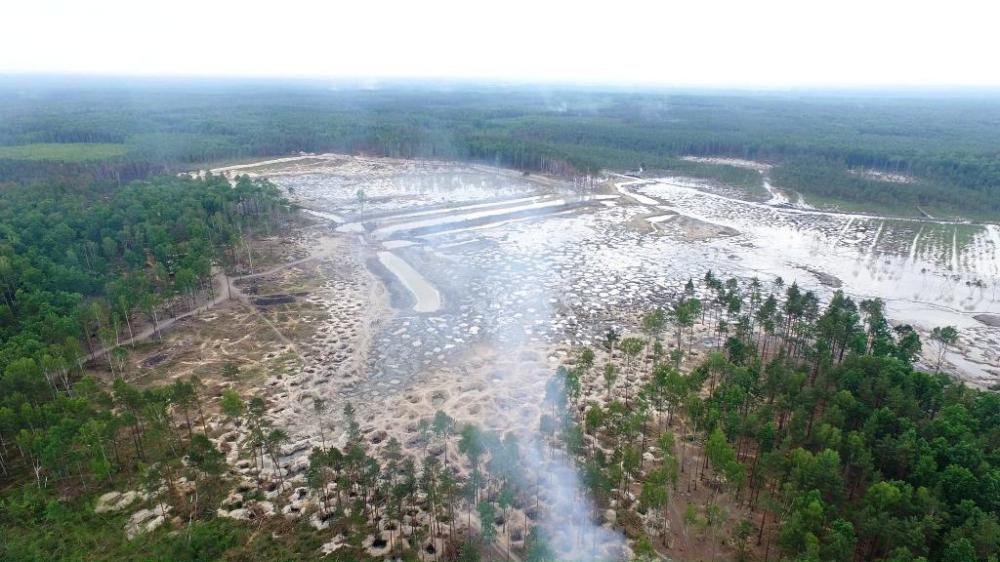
(502, 276)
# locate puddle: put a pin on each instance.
(328, 216)
(387, 231)
(427, 297)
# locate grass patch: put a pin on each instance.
(965, 238)
(827, 203)
(63, 152)
(749, 181)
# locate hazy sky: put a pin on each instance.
(781, 43)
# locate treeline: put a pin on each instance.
(947, 144)
(118, 170)
(957, 183)
(809, 434)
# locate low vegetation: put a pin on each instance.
(63, 152)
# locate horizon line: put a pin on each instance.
(374, 81)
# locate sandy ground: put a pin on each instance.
(735, 162)
(502, 281)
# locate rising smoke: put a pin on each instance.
(566, 513)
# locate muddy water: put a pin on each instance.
(426, 297)
(329, 216)
(463, 216)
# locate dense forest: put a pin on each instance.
(78, 263)
(807, 435)
(824, 144)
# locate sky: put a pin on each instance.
(686, 43)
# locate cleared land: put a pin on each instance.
(63, 152)
(522, 271)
